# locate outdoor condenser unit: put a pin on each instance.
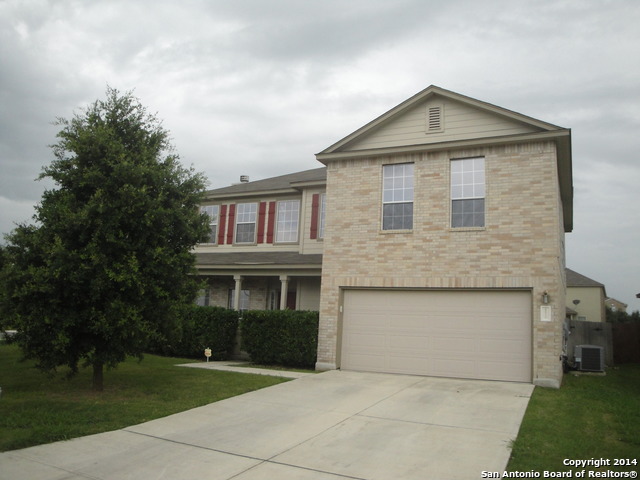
(589, 358)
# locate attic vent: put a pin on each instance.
(434, 119)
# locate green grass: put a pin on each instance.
(589, 417)
(36, 408)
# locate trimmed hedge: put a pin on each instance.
(280, 337)
(199, 328)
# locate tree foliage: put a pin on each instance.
(619, 316)
(109, 258)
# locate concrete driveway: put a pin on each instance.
(328, 426)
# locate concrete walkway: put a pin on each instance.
(329, 426)
(241, 367)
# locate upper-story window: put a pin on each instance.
(323, 209)
(212, 212)
(397, 196)
(467, 192)
(246, 222)
(287, 221)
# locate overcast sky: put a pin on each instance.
(257, 87)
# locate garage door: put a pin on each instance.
(463, 334)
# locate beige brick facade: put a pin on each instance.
(521, 246)
(528, 207)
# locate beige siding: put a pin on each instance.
(304, 245)
(461, 122)
(591, 305)
(307, 244)
(308, 295)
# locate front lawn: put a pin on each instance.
(37, 409)
(589, 417)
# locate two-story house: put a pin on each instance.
(433, 243)
(265, 246)
(586, 297)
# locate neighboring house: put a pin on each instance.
(439, 243)
(586, 297)
(615, 305)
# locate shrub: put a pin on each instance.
(280, 337)
(199, 328)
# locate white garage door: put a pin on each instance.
(463, 334)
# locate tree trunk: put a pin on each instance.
(98, 377)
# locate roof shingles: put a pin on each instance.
(574, 279)
(283, 182)
(257, 258)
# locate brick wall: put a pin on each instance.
(220, 286)
(521, 246)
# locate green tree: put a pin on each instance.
(108, 262)
(3, 261)
(618, 316)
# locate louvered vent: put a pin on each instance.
(434, 119)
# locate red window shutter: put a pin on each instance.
(315, 207)
(222, 224)
(262, 213)
(271, 222)
(230, 227)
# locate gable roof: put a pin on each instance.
(289, 183)
(524, 128)
(421, 98)
(575, 279)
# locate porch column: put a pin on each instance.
(284, 286)
(236, 293)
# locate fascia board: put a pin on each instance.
(315, 183)
(256, 193)
(432, 147)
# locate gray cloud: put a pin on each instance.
(257, 87)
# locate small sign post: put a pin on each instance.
(207, 353)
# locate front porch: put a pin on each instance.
(260, 281)
(251, 292)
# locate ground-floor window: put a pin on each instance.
(274, 300)
(244, 299)
(203, 297)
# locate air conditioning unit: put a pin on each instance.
(589, 358)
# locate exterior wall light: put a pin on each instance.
(545, 297)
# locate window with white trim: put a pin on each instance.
(397, 196)
(212, 212)
(246, 222)
(467, 192)
(323, 208)
(287, 221)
